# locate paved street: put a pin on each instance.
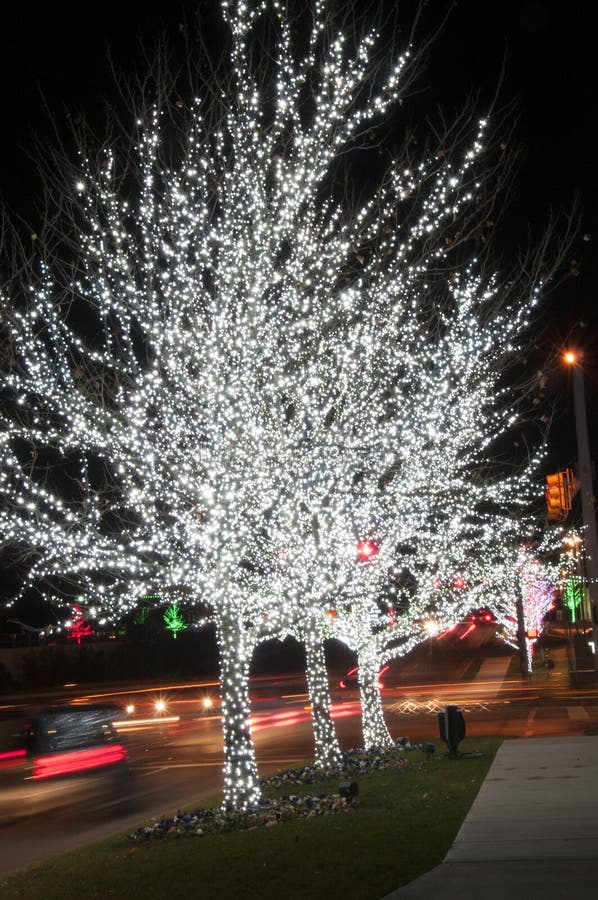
(176, 764)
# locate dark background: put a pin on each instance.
(548, 50)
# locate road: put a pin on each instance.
(176, 759)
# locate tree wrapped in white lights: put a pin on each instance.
(441, 509)
(444, 577)
(214, 377)
(413, 494)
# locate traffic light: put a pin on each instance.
(560, 490)
(554, 497)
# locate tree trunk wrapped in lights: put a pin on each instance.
(241, 781)
(219, 375)
(375, 730)
(327, 749)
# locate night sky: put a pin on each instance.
(549, 52)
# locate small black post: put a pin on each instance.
(451, 725)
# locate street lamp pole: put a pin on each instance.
(587, 494)
(522, 640)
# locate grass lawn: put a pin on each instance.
(404, 824)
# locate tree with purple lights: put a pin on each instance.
(524, 594)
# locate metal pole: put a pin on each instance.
(587, 499)
(522, 640)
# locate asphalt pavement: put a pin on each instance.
(532, 831)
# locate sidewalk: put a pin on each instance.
(532, 832)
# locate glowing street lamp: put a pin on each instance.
(572, 359)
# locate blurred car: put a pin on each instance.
(350, 681)
(483, 616)
(65, 754)
(67, 740)
(482, 619)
